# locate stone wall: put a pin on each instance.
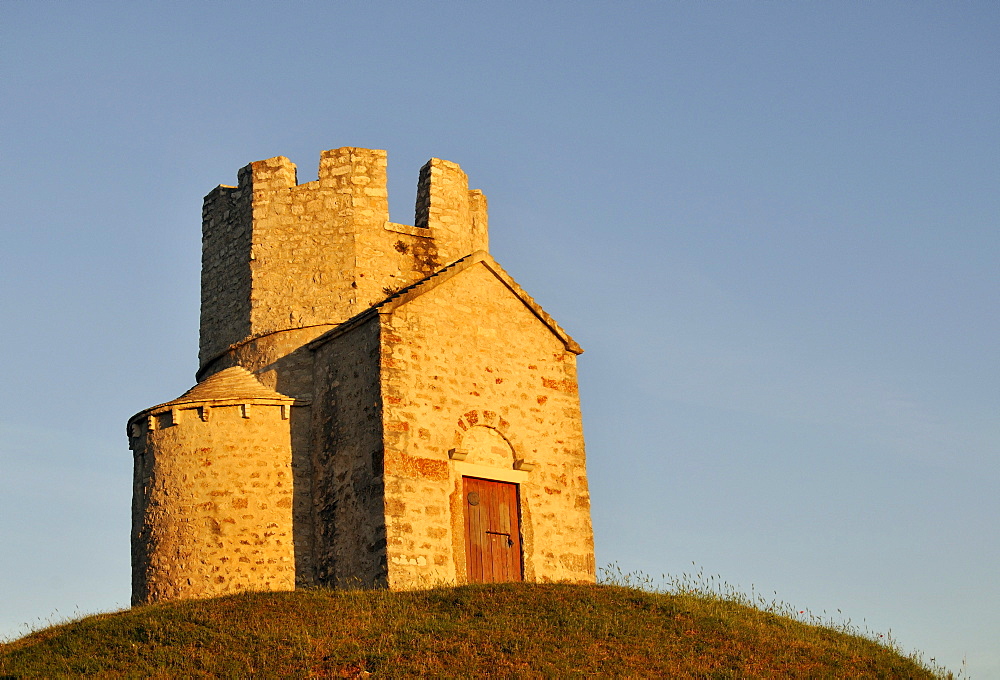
(348, 493)
(448, 209)
(225, 269)
(466, 355)
(212, 501)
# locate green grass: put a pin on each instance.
(506, 630)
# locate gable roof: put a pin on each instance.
(425, 285)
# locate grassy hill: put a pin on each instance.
(486, 630)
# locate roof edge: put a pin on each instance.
(236, 401)
(415, 290)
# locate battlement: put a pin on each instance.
(445, 205)
(278, 255)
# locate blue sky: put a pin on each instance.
(772, 226)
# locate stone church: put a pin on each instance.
(377, 405)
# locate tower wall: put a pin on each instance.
(227, 226)
(279, 256)
(212, 504)
(449, 210)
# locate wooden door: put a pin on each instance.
(492, 532)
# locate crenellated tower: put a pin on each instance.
(284, 262)
(378, 404)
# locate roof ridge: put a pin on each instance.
(479, 256)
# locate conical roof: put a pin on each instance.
(234, 385)
(230, 383)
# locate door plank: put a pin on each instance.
(492, 531)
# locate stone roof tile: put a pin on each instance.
(230, 383)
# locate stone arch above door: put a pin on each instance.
(496, 448)
(483, 418)
(486, 446)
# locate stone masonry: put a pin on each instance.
(354, 374)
